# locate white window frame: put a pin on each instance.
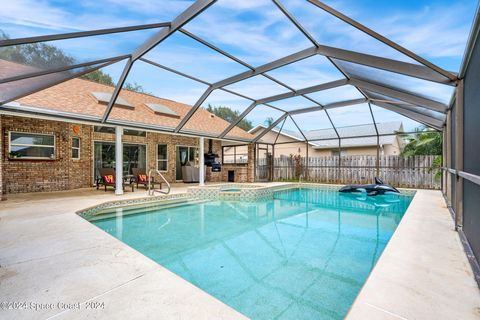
(34, 145)
(76, 148)
(163, 160)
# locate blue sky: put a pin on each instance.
(257, 32)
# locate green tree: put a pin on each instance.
(40, 55)
(100, 77)
(135, 87)
(229, 115)
(46, 56)
(426, 142)
(269, 121)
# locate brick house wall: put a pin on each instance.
(242, 172)
(153, 139)
(64, 173)
(61, 173)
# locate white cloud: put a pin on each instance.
(33, 13)
(255, 31)
(242, 4)
(34, 17)
(257, 87)
(435, 32)
(256, 36)
(162, 9)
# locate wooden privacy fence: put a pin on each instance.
(407, 172)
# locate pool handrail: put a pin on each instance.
(151, 191)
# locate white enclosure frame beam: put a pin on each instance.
(407, 97)
(317, 88)
(80, 34)
(62, 69)
(53, 83)
(395, 66)
(248, 74)
(419, 117)
(383, 39)
(427, 70)
(191, 12)
(273, 125)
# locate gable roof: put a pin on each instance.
(75, 96)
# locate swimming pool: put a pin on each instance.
(304, 254)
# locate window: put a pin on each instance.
(162, 159)
(75, 148)
(185, 155)
(32, 145)
(137, 133)
(127, 132)
(235, 154)
(104, 129)
(134, 156)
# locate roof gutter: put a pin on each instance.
(15, 109)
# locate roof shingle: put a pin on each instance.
(75, 96)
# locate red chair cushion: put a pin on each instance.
(109, 179)
(142, 178)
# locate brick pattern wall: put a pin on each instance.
(217, 149)
(151, 141)
(63, 172)
(251, 163)
(80, 170)
(243, 172)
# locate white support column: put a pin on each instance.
(201, 176)
(118, 160)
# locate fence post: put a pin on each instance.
(395, 169)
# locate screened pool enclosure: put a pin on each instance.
(318, 84)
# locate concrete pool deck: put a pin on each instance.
(50, 256)
(423, 273)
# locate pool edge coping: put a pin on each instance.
(187, 196)
(190, 196)
(362, 307)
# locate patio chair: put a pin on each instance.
(140, 177)
(108, 178)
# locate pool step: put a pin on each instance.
(143, 208)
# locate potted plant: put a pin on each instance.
(14, 155)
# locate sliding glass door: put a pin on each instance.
(134, 156)
(184, 155)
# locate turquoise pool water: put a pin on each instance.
(303, 255)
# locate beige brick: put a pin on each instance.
(63, 173)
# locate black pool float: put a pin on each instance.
(379, 187)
